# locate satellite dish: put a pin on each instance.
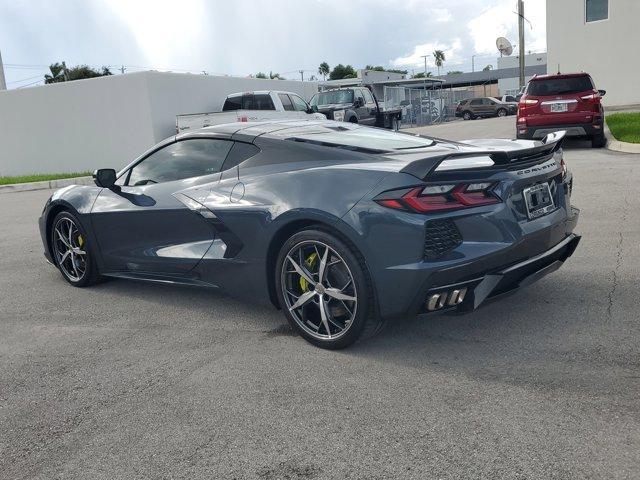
(504, 46)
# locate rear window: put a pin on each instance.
(232, 103)
(559, 86)
(335, 96)
(260, 101)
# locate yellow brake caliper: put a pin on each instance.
(310, 262)
(80, 240)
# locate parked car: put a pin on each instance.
(520, 93)
(507, 99)
(356, 105)
(484, 107)
(339, 225)
(251, 107)
(568, 102)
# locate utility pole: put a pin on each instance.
(425, 73)
(302, 75)
(473, 63)
(521, 39)
(3, 83)
(122, 69)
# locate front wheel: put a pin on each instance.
(324, 290)
(502, 112)
(72, 252)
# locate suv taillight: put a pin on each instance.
(437, 198)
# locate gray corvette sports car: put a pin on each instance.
(341, 226)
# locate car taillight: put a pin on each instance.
(592, 97)
(528, 101)
(437, 198)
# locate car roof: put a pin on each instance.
(247, 131)
(553, 76)
(260, 92)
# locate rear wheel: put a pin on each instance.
(71, 251)
(324, 290)
(467, 115)
(598, 141)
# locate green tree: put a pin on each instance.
(439, 57)
(342, 71)
(275, 76)
(56, 73)
(379, 68)
(260, 75)
(487, 68)
(60, 73)
(422, 75)
(324, 69)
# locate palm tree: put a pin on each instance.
(324, 69)
(439, 56)
(58, 73)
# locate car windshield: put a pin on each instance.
(559, 86)
(332, 97)
(363, 139)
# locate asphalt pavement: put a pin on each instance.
(132, 380)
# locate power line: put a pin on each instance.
(24, 79)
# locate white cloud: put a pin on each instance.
(414, 59)
(500, 20)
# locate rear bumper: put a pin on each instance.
(573, 130)
(505, 280)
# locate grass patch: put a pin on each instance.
(41, 177)
(625, 126)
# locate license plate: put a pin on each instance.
(338, 115)
(538, 200)
(559, 107)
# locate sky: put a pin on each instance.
(242, 37)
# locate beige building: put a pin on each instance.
(600, 37)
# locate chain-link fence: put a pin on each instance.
(424, 107)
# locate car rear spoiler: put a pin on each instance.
(466, 160)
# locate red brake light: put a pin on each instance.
(440, 197)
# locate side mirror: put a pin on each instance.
(602, 92)
(105, 177)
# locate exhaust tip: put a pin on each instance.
(436, 301)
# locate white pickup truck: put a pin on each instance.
(251, 107)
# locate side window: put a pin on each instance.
(232, 103)
(286, 102)
(488, 101)
(510, 98)
(367, 96)
(188, 158)
(358, 94)
(476, 101)
(238, 154)
(299, 104)
(263, 101)
(596, 10)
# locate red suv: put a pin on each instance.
(562, 102)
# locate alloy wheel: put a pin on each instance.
(319, 290)
(68, 244)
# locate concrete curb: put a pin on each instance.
(46, 185)
(617, 145)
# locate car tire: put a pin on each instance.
(598, 141)
(467, 115)
(358, 319)
(502, 112)
(68, 239)
(353, 119)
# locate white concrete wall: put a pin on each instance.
(108, 121)
(607, 49)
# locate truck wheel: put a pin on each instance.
(395, 124)
(598, 141)
(353, 119)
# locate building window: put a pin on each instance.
(596, 10)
